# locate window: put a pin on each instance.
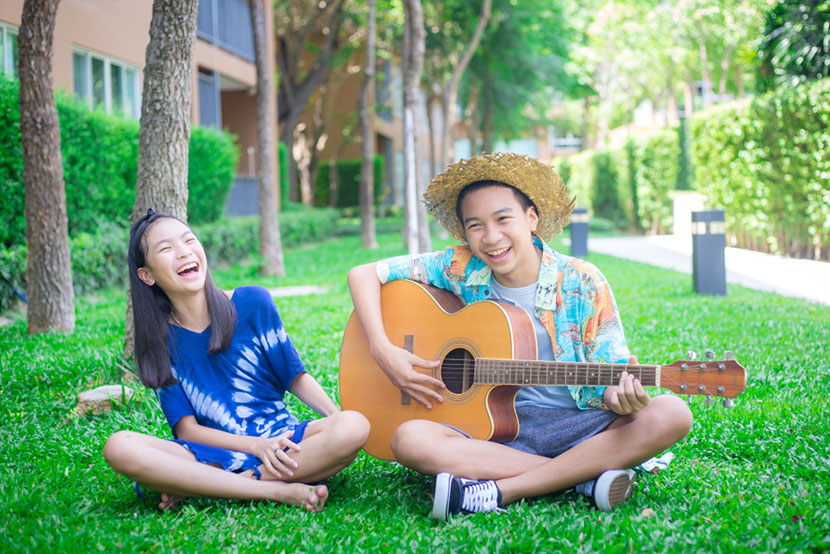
(8, 49)
(104, 82)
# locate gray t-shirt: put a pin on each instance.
(525, 298)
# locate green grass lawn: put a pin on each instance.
(753, 478)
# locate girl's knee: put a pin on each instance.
(118, 450)
(354, 426)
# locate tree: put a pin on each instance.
(48, 270)
(518, 66)
(367, 173)
(163, 141)
(450, 46)
(270, 246)
(296, 22)
(796, 43)
(416, 232)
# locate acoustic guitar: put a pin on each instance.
(487, 352)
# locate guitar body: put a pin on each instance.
(434, 325)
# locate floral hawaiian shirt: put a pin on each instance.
(573, 301)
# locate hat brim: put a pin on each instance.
(539, 182)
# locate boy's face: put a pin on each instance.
(499, 232)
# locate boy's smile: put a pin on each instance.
(499, 231)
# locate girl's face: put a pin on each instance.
(174, 258)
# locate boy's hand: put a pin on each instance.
(276, 460)
(399, 365)
(628, 396)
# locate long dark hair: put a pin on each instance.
(152, 311)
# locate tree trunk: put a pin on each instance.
(302, 160)
(704, 68)
(450, 92)
(413, 61)
(688, 99)
(295, 91)
(270, 245)
(724, 70)
(487, 122)
(163, 141)
(48, 269)
(433, 161)
(318, 128)
(367, 167)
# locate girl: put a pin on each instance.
(220, 363)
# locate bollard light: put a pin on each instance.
(579, 232)
(708, 252)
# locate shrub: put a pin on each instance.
(657, 159)
(97, 260)
(12, 223)
(764, 161)
(100, 260)
(580, 171)
(604, 197)
(100, 158)
(348, 182)
(211, 162)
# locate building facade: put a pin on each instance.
(99, 54)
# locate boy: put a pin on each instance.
(505, 207)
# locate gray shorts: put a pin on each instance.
(551, 431)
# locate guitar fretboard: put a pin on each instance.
(530, 373)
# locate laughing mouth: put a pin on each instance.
(499, 252)
(188, 269)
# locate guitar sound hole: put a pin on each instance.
(457, 370)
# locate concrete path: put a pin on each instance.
(786, 276)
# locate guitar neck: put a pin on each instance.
(536, 373)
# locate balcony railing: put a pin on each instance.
(227, 24)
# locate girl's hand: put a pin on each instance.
(275, 454)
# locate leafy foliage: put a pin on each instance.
(100, 157)
(100, 259)
(348, 182)
(605, 200)
(765, 162)
(749, 479)
(628, 185)
(658, 158)
(796, 43)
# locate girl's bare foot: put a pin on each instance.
(169, 500)
(310, 497)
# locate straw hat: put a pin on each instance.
(538, 181)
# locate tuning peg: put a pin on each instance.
(710, 354)
(728, 403)
(691, 354)
(729, 355)
(708, 401)
(689, 398)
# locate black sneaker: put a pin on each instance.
(456, 495)
(609, 489)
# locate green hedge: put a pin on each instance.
(100, 157)
(348, 183)
(765, 162)
(630, 185)
(100, 259)
(657, 164)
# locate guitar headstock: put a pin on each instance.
(722, 378)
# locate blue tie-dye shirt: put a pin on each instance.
(241, 389)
